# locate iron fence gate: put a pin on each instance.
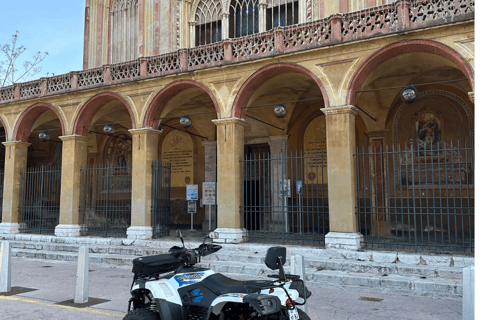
(106, 200)
(1, 194)
(39, 209)
(417, 198)
(161, 198)
(285, 198)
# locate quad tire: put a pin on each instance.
(303, 315)
(142, 314)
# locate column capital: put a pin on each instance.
(283, 137)
(145, 131)
(74, 137)
(16, 143)
(471, 96)
(209, 143)
(230, 121)
(340, 110)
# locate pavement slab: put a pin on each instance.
(54, 282)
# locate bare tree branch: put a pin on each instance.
(8, 69)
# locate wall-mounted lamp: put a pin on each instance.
(186, 122)
(109, 129)
(409, 94)
(280, 110)
(43, 136)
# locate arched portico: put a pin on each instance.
(162, 98)
(404, 47)
(260, 76)
(28, 118)
(90, 108)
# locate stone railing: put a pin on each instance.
(401, 16)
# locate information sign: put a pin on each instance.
(192, 191)
(208, 193)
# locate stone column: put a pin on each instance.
(192, 34)
(262, 16)
(381, 226)
(230, 144)
(225, 26)
(341, 178)
(74, 157)
(210, 175)
(15, 161)
(471, 96)
(144, 152)
(277, 145)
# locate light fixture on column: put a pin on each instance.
(109, 129)
(280, 110)
(43, 136)
(409, 94)
(185, 122)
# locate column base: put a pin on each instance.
(140, 233)
(9, 228)
(68, 230)
(229, 235)
(343, 240)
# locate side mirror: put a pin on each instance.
(276, 257)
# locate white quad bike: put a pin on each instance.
(170, 287)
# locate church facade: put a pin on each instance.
(335, 123)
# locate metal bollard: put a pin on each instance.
(468, 293)
(81, 288)
(298, 268)
(5, 267)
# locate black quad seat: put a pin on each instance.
(220, 284)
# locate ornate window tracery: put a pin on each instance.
(208, 22)
(124, 30)
(243, 18)
(281, 13)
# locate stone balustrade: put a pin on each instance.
(401, 16)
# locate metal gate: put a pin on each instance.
(39, 209)
(285, 198)
(106, 200)
(161, 181)
(1, 193)
(417, 198)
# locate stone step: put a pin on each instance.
(421, 281)
(148, 247)
(358, 266)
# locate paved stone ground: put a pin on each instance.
(54, 282)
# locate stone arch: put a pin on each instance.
(28, 117)
(85, 115)
(257, 78)
(403, 47)
(4, 128)
(163, 97)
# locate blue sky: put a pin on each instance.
(54, 26)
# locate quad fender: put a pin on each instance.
(159, 290)
(264, 304)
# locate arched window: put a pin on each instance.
(208, 22)
(281, 13)
(243, 18)
(124, 33)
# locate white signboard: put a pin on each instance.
(209, 190)
(192, 191)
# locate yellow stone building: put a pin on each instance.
(270, 88)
